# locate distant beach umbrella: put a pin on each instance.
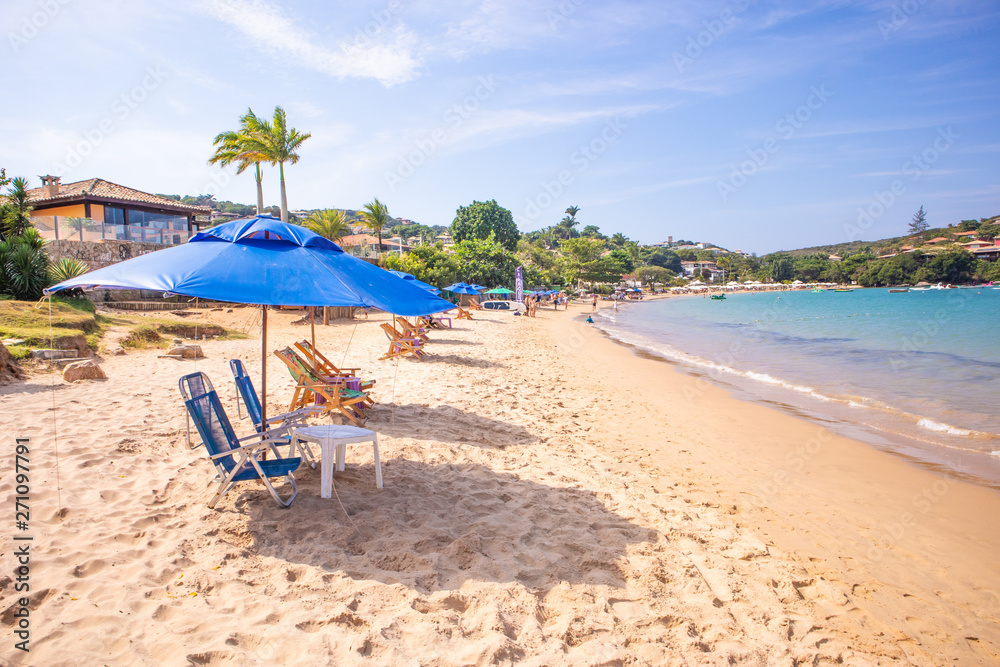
(462, 288)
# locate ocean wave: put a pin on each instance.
(778, 382)
(938, 427)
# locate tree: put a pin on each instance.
(653, 274)
(668, 259)
(375, 217)
(585, 261)
(593, 231)
(330, 224)
(622, 260)
(17, 210)
(781, 266)
(277, 143)
(955, 266)
(481, 220)
(239, 146)
(427, 263)
(485, 261)
(618, 239)
(919, 224)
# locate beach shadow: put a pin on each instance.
(445, 423)
(453, 341)
(22, 387)
(435, 526)
(460, 361)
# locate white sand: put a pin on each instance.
(538, 509)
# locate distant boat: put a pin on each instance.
(898, 291)
(818, 289)
(842, 289)
(718, 297)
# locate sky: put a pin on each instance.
(754, 125)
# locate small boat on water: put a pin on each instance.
(718, 297)
(842, 289)
(898, 291)
(818, 289)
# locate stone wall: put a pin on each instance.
(98, 254)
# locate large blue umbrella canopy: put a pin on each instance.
(462, 288)
(413, 279)
(264, 261)
(267, 262)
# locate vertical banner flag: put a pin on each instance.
(519, 284)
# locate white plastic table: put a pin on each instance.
(333, 441)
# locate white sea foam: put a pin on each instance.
(938, 427)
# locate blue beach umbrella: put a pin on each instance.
(267, 262)
(463, 288)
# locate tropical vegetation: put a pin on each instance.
(24, 265)
(375, 217)
(329, 223)
(259, 140)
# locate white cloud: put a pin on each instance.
(387, 55)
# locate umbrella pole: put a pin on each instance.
(312, 328)
(263, 367)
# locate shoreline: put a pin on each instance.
(900, 433)
(894, 537)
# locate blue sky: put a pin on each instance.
(755, 125)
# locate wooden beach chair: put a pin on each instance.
(413, 330)
(463, 314)
(400, 345)
(436, 322)
(326, 368)
(309, 388)
(235, 459)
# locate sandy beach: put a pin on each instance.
(551, 498)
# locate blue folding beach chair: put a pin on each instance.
(234, 461)
(278, 425)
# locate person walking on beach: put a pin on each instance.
(593, 304)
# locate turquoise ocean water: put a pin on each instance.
(916, 373)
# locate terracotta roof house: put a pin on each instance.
(966, 233)
(366, 245)
(991, 253)
(835, 258)
(977, 243)
(95, 210)
(937, 240)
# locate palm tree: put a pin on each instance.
(238, 146)
(277, 143)
(17, 213)
(375, 217)
(330, 224)
(618, 239)
(572, 211)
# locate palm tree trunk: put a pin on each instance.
(260, 190)
(284, 199)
